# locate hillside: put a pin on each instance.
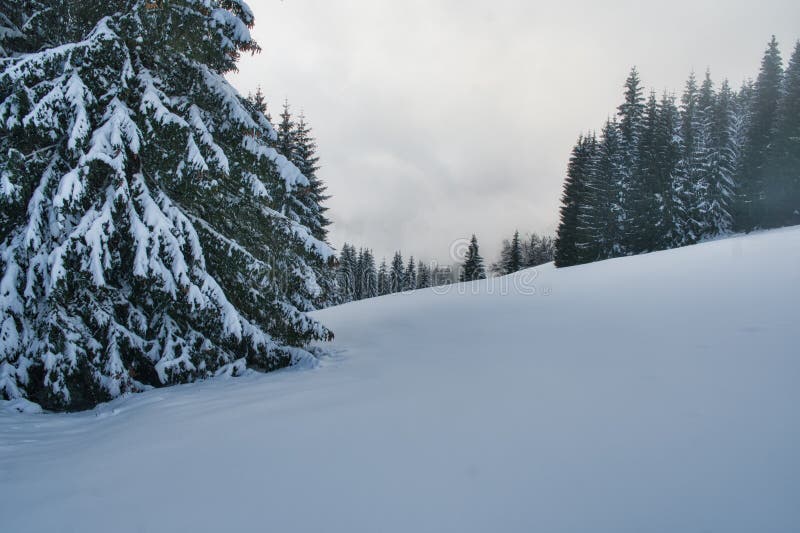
(654, 393)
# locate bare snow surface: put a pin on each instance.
(651, 394)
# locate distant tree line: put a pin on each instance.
(665, 173)
(358, 276)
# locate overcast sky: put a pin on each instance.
(439, 118)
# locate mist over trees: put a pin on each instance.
(668, 172)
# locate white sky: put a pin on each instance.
(439, 118)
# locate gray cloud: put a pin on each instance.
(439, 118)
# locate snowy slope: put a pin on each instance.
(649, 394)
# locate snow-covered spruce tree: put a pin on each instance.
(384, 282)
(722, 160)
(397, 274)
(783, 162)
(370, 275)
(670, 185)
(306, 160)
(568, 251)
(312, 198)
(511, 258)
(295, 142)
(599, 217)
(358, 276)
(756, 188)
(630, 180)
(410, 282)
(690, 174)
(141, 241)
(651, 200)
(538, 250)
(473, 268)
(717, 152)
(294, 206)
(284, 139)
(346, 274)
(364, 275)
(259, 101)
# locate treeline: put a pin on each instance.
(359, 277)
(666, 173)
(518, 253)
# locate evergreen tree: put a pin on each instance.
(423, 275)
(650, 204)
(411, 275)
(358, 276)
(384, 279)
(285, 141)
(397, 275)
(669, 182)
(305, 206)
(259, 102)
(304, 156)
(296, 205)
(569, 250)
(143, 243)
(631, 112)
(630, 180)
(538, 250)
(473, 268)
(706, 153)
(690, 182)
(757, 190)
(722, 158)
(511, 259)
(346, 274)
(689, 117)
(600, 217)
(664, 177)
(783, 165)
(369, 275)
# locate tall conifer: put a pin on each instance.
(757, 190)
(570, 241)
(397, 274)
(473, 268)
(143, 238)
(783, 164)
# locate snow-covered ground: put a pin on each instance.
(659, 393)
